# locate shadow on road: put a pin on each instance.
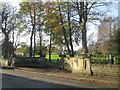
(21, 83)
(8, 67)
(11, 81)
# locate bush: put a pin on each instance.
(116, 60)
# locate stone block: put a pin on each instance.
(77, 65)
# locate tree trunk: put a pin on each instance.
(32, 33)
(30, 47)
(5, 47)
(70, 32)
(50, 46)
(34, 45)
(84, 30)
(64, 33)
(13, 43)
(31, 50)
(84, 39)
(82, 20)
(40, 36)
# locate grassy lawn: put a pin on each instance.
(53, 56)
(56, 56)
(100, 58)
(94, 58)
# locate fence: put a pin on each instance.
(95, 59)
(105, 59)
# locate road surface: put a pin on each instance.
(22, 79)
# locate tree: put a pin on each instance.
(70, 28)
(87, 11)
(92, 47)
(51, 21)
(60, 24)
(8, 25)
(32, 10)
(42, 48)
(23, 49)
(117, 39)
(108, 33)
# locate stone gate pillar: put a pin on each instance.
(78, 65)
(86, 66)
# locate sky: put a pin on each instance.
(92, 29)
(13, 2)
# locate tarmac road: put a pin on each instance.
(21, 79)
(10, 81)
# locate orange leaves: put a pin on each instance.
(33, 9)
(52, 17)
(56, 29)
(49, 6)
(46, 9)
(50, 3)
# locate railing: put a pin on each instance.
(105, 59)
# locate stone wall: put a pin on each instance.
(105, 69)
(4, 61)
(30, 61)
(26, 61)
(76, 65)
(83, 65)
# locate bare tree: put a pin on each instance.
(106, 32)
(7, 26)
(88, 12)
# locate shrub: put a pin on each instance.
(116, 60)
